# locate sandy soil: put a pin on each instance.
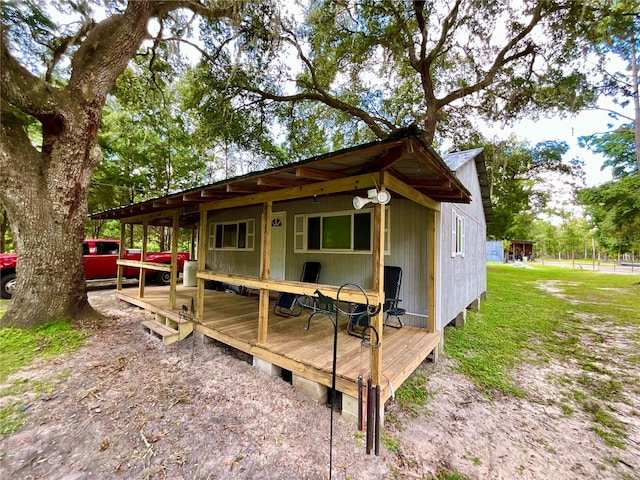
(124, 406)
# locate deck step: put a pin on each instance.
(176, 322)
(167, 334)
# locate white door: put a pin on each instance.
(278, 244)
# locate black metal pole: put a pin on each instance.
(369, 416)
(377, 422)
(360, 419)
(333, 391)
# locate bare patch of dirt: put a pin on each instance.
(507, 438)
(124, 406)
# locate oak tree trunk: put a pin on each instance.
(45, 190)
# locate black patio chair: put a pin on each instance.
(360, 314)
(291, 304)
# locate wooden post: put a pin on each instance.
(265, 271)
(192, 251)
(174, 261)
(432, 268)
(143, 257)
(378, 285)
(202, 263)
(123, 233)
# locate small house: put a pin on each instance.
(388, 203)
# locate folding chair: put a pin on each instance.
(290, 304)
(392, 284)
(360, 314)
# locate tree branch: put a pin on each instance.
(500, 61)
(333, 102)
(22, 89)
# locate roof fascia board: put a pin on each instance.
(340, 185)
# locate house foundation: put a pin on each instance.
(475, 305)
(313, 389)
(460, 319)
(267, 367)
(350, 407)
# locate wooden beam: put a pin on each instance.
(152, 216)
(390, 158)
(143, 258)
(265, 272)
(315, 174)
(212, 193)
(366, 180)
(432, 268)
(375, 355)
(175, 233)
(273, 181)
(121, 256)
(202, 264)
(434, 183)
(193, 197)
(300, 288)
(161, 267)
(411, 193)
(243, 188)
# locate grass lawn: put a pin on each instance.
(19, 348)
(542, 314)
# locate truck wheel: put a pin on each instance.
(7, 285)
(163, 278)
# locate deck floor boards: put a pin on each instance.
(235, 318)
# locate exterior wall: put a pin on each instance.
(462, 279)
(241, 262)
(407, 223)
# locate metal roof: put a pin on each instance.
(455, 160)
(404, 154)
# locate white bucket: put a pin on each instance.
(189, 278)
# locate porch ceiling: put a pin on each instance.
(404, 155)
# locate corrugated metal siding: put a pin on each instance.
(408, 237)
(408, 250)
(240, 261)
(462, 279)
(337, 269)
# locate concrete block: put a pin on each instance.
(202, 338)
(475, 305)
(315, 390)
(460, 319)
(350, 408)
(267, 367)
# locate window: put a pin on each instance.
(336, 232)
(458, 235)
(232, 235)
(107, 248)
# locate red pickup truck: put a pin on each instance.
(100, 256)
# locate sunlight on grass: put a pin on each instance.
(4, 306)
(539, 313)
(19, 347)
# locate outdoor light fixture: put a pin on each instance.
(373, 196)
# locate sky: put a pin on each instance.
(569, 130)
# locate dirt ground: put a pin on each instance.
(124, 406)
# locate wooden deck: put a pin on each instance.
(233, 320)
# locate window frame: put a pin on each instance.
(458, 234)
(249, 231)
(301, 232)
